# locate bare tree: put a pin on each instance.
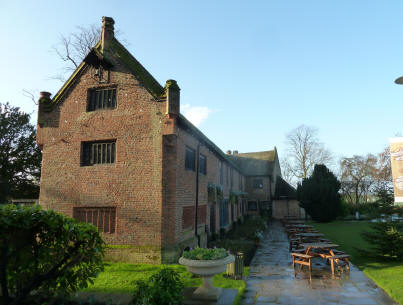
(304, 150)
(357, 177)
(73, 48)
(384, 167)
(383, 183)
(287, 173)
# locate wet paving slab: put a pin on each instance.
(272, 279)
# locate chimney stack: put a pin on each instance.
(44, 101)
(107, 31)
(235, 152)
(172, 92)
(44, 96)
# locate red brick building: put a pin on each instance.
(116, 152)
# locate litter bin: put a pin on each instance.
(235, 269)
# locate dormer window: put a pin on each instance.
(104, 98)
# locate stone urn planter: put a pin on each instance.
(206, 269)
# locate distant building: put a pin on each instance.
(116, 152)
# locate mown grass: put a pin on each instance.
(387, 274)
(122, 278)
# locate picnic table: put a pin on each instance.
(295, 222)
(322, 249)
(302, 226)
(326, 250)
(309, 236)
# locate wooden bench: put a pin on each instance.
(340, 260)
(302, 260)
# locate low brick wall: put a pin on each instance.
(133, 254)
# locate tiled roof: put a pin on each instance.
(118, 50)
(210, 144)
(260, 162)
(255, 163)
(268, 155)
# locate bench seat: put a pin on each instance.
(302, 260)
(340, 260)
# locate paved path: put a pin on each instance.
(272, 280)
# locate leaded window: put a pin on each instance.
(104, 98)
(203, 164)
(104, 218)
(190, 159)
(100, 152)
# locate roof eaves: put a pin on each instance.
(197, 133)
(68, 84)
(58, 96)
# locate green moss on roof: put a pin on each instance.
(268, 155)
(171, 83)
(72, 78)
(147, 80)
(255, 163)
(117, 49)
(253, 167)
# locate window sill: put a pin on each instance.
(97, 165)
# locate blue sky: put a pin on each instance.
(254, 70)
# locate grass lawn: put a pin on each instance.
(388, 275)
(121, 278)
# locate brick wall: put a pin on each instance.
(186, 186)
(150, 192)
(133, 183)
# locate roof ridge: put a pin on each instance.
(145, 77)
(210, 143)
(137, 69)
(255, 152)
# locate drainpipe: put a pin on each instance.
(197, 191)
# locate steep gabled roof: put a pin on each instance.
(255, 163)
(184, 122)
(284, 190)
(141, 73)
(268, 155)
(258, 163)
(116, 49)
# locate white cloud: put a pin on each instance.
(196, 114)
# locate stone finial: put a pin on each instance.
(228, 152)
(107, 31)
(172, 92)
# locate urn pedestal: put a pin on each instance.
(206, 269)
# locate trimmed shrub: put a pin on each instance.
(163, 288)
(46, 253)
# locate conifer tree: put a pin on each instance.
(319, 194)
